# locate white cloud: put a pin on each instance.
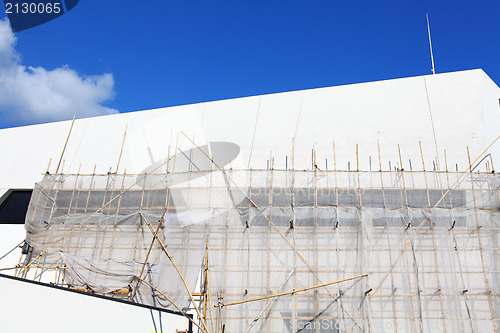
(31, 95)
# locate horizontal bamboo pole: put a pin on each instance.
(37, 266)
(90, 290)
(291, 292)
(9, 268)
(198, 294)
(123, 291)
(86, 289)
(281, 170)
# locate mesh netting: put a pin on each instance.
(424, 245)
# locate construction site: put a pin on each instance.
(311, 235)
(278, 250)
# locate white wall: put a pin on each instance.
(464, 107)
(27, 308)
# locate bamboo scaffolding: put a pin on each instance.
(99, 210)
(274, 226)
(478, 231)
(425, 219)
(268, 304)
(435, 233)
(175, 305)
(181, 277)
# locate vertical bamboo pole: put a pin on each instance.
(121, 149)
(65, 144)
(340, 314)
(393, 297)
(316, 244)
(268, 278)
(219, 310)
(295, 313)
(205, 272)
(433, 237)
(117, 214)
(208, 239)
(456, 251)
(48, 166)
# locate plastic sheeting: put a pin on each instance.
(428, 242)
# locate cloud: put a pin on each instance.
(31, 95)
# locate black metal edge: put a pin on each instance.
(15, 278)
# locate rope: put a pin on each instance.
(15, 247)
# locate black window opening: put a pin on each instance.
(13, 206)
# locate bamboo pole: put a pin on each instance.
(48, 267)
(221, 297)
(208, 275)
(171, 302)
(434, 250)
(205, 272)
(340, 314)
(292, 291)
(121, 150)
(180, 275)
(9, 268)
(65, 144)
(457, 255)
(393, 298)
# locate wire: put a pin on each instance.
(153, 318)
(154, 303)
(480, 162)
(15, 247)
(161, 326)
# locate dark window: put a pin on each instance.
(13, 206)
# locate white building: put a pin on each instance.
(391, 125)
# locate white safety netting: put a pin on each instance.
(425, 245)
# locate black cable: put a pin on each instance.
(161, 326)
(153, 294)
(153, 318)
(479, 162)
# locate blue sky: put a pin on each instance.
(120, 56)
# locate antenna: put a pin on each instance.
(430, 43)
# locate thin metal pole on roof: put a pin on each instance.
(430, 43)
